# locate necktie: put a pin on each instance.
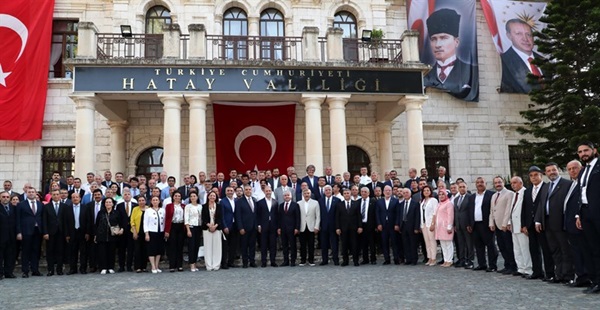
(348, 206)
(460, 200)
(127, 208)
(321, 191)
(363, 209)
(76, 215)
(285, 207)
(535, 192)
(97, 210)
(251, 205)
(585, 176)
(56, 208)
(7, 209)
(534, 69)
(327, 203)
(70, 188)
(443, 74)
(548, 198)
(497, 196)
(187, 188)
(515, 203)
(32, 206)
(406, 210)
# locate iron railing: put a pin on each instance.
(253, 48)
(138, 46)
(375, 51)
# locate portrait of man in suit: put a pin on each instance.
(516, 61)
(449, 72)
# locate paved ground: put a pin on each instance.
(326, 287)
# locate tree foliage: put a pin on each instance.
(566, 110)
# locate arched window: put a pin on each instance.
(235, 32)
(347, 22)
(149, 161)
(357, 158)
(156, 17)
(271, 26)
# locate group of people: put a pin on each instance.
(547, 231)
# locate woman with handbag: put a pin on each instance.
(140, 258)
(154, 228)
(175, 231)
(107, 231)
(212, 216)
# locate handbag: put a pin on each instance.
(114, 230)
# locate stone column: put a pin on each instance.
(314, 136)
(172, 134)
(414, 131)
(384, 135)
(197, 43)
(118, 146)
(85, 138)
(335, 45)
(253, 44)
(197, 143)
(337, 132)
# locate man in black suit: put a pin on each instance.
(107, 179)
(516, 61)
(348, 225)
(245, 217)
(589, 212)
(8, 235)
(462, 226)
(374, 184)
(289, 227)
(120, 180)
(329, 239)
(76, 234)
(221, 184)
(408, 220)
(449, 73)
(549, 220)
(311, 180)
(29, 232)
(93, 207)
(266, 213)
(412, 176)
(479, 214)
(537, 242)
(52, 231)
(76, 188)
(369, 224)
(575, 235)
(125, 242)
(385, 214)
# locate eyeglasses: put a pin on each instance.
(4, 196)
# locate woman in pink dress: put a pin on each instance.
(444, 227)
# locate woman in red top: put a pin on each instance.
(175, 231)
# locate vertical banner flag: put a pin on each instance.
(449, 44)
(254, 135)
(511, 25)
(25, 33)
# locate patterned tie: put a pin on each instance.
(363, 210)
(535, 192)
(534, 69)
(443, 76)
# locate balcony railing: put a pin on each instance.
(146, 46)
(376, 51)
(253, 48)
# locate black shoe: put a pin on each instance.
(533, 276)
(502, 270)
(554, 280)
(344, 264)
(396, 262)
(387, 262)
(285, 264)
(25, 275)
(516, 273)
(224, 267)
(170, 270)
(364, 262)
(440, 262)
(508, 272)
(336, 263)
(459, 265)
(263, 265)
(292, 264)
(323, 264)
(253, 265)
(121, 269)
(595, 289)
(50, 273)
(10, 276)
(244, 266)
(480, 268)
(584, 283)
(469, 266)
(490, 270)
(93, 270)
(36, 274)
(180, 269)
(274, 265)
(129, 269)
(373, 262)
(425, 260)
(83, 272)
(356, 264)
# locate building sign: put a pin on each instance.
(227, 80)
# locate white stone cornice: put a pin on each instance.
(448, 126)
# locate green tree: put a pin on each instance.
(566, 110)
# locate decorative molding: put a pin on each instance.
(449, 126)
(509, 127)
(59, 125)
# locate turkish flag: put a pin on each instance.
(25, 35)
(254, 135)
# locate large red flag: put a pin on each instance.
(25, 34)
(254, 135)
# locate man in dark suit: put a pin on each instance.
(245, 216)
(8, 236)
(53, 232)
(479, 214)
(93, 207)
(385, 213)
(449, 73)
(589, 212)
(274, 180)
(348, 225)
(408, 220)
(266, 213)
(125, 242)
(329, 239)
(107, 179)
(184, 190)
(464, 249)
(311, 180)
(575, 235)
(76, 222)
(221, 184)
(374, 184)
(369, 224)
(516, 61)
(329, 177)
(29, 232)
(56, 177)
(412, 176)
(549, 220)
(289, 227)
(537, 241)
(320, 188)
(76, 188)
(231, 242)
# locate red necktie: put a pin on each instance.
(443, 75)
(534, 69)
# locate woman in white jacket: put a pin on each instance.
(428, 209)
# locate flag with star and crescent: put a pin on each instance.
(254, 135)
(25, 36)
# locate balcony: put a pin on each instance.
(197, 45)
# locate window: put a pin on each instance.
(521, 158)
(347, 22)
(357, 158)
(149, 161)
(235, 33)
(435, 156)
(64, 46)
(272, 27)
(61, 159)
(156, 18)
